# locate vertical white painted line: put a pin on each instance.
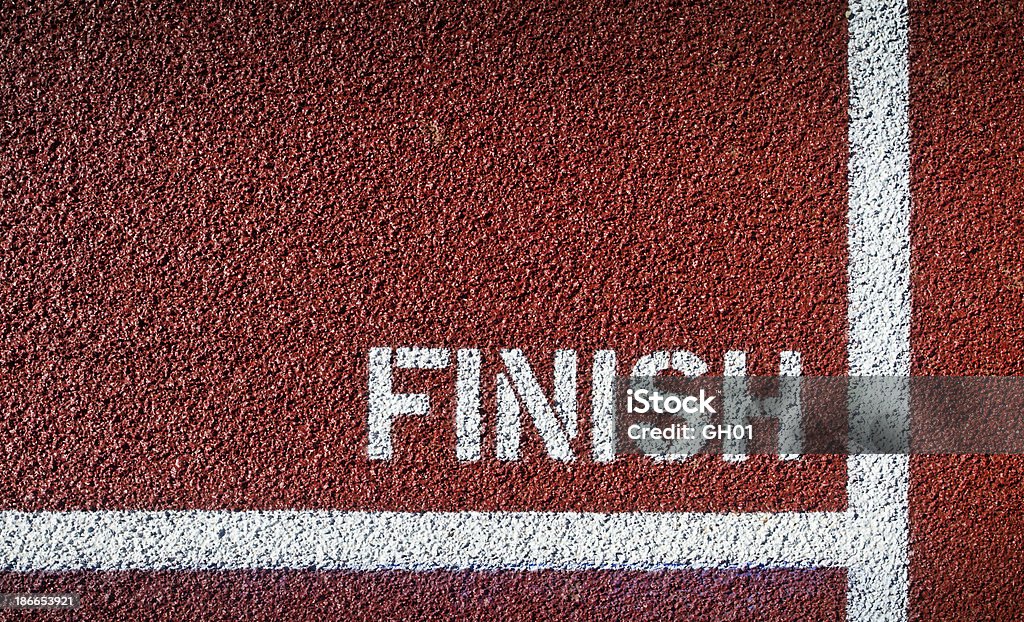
(879, 297)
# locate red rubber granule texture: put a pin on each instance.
(211, 214)
(777, 596)
(967, 512)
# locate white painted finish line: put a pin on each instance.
(869, 538)
(325, 540)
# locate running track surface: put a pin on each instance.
(209, 217)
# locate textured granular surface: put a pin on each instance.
(214, 215)
(545, 595)
(966, 514)
(209, 216)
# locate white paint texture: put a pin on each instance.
(879, 300)
(417, 541)
(385, 406)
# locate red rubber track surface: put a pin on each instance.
(967, 513)
(777, 596)
(212, 215)
(208, 216)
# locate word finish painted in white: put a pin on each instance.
(556, 419)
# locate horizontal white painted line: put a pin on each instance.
(325, 540)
